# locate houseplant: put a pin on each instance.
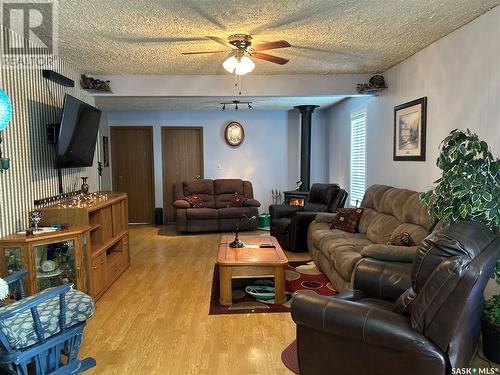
(491, 329)
(469, 189)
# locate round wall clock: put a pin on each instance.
(234, 134)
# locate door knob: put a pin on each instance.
(120, 176)
(198, 177)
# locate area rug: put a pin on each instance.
(300, 276)
(290, 359)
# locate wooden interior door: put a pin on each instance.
(182, 158)
(132, 168)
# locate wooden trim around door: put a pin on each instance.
(113, 128)
(163, 128)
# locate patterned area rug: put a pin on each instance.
(300, 276)
(290, 359)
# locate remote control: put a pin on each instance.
(266, 245)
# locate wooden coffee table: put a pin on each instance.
(249, 262)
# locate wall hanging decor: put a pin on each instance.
(234, 134)
(5, 110)
(94, 85)
(375, 85)
(410, 120)
(105, 151)
(5, 117)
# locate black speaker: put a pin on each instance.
(57, 78)
(158, 216)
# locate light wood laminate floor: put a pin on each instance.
(154, 319)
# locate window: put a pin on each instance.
(358, 156)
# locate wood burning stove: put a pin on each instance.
(299, 197)
(295, 198)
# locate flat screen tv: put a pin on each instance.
(77, 134)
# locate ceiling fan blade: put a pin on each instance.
(270, 58)
(200, 53)
(221, 41)
(272, 45)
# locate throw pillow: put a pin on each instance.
(195, 201)
(401, 239)
(347, 219)
(237, 200)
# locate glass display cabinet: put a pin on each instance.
(51, 258)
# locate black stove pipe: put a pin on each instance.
(305, 144)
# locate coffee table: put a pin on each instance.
(247, 262)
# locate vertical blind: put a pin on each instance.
(358, 156)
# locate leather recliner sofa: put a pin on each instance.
(217, 213)
(289, 223)
(429, 329)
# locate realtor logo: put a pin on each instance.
(29, 33)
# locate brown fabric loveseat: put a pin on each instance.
(216, 215)
(388, 212)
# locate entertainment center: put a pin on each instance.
(92, 253)
(107, 221)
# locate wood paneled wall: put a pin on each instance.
(36, 102)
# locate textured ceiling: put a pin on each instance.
(210, 103)
(328, 36)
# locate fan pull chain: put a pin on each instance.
(237, 83)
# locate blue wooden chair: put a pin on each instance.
(44, 331)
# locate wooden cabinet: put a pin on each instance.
(108, 251)
(50, 258)
(98, 272)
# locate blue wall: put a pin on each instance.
(269, 156)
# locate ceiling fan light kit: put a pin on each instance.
(240, 62)
(239, 65)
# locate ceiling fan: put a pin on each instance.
(241, 45)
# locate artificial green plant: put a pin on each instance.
(492, 309)
(469, 187)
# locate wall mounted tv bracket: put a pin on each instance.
(53, 133)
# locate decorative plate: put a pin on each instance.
(260, 291)
(234, 134)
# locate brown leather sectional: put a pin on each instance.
(376, 328)
(216, 215)
(388, 211)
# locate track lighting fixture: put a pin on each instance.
(236, 104)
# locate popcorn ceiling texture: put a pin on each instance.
(328, 36)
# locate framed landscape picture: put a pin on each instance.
(410, 120)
